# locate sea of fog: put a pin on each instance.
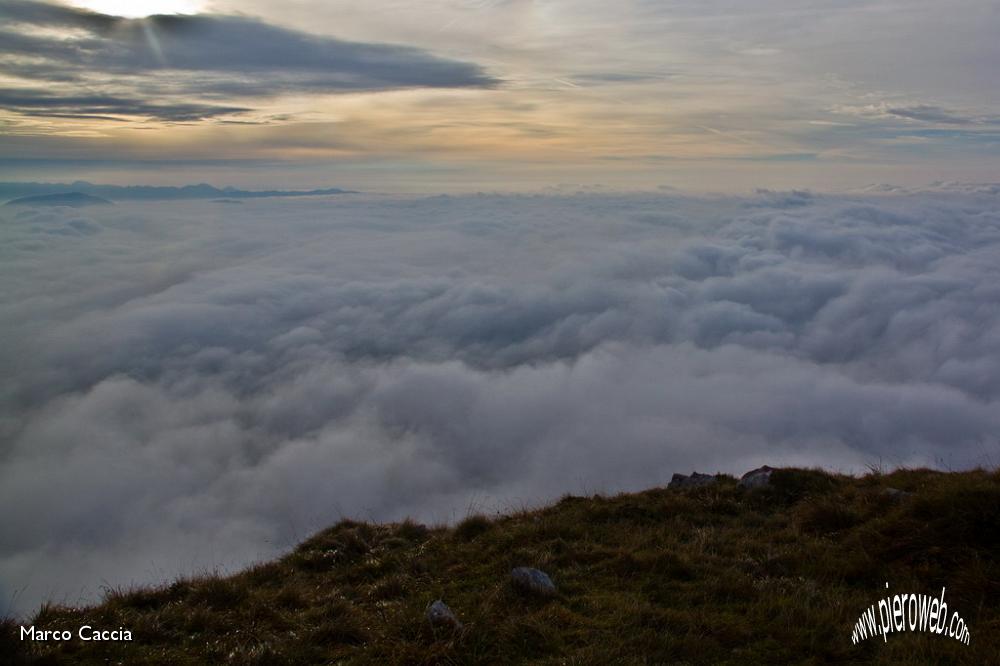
(193, 386)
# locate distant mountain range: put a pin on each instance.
(131, 192)
(72, 199)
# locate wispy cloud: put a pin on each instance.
(922, 113)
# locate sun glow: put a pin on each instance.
(141, 8)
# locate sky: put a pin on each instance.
(501, 95)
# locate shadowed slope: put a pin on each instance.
(717, 574)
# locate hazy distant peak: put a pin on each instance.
(72, 199)
(123, 192)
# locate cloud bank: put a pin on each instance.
(189, 386)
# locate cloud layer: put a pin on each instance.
(189, 386)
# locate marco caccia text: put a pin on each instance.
(84, 633)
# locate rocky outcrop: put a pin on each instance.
(696, 480)
(757, 478)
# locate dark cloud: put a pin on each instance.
(35, 103)
(32, 12)
(208, 57)
(611, 78)
(194, 385)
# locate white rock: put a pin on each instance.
(757, 478)
(440, 615)
(896, 493)
(533, 581)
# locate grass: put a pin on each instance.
(714, 575)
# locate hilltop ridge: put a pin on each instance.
(714, 573)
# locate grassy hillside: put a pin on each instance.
(714, 575)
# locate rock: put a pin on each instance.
(439, 615)
(757, 478)
(896, 493)
(696, 480)
(533, 581)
